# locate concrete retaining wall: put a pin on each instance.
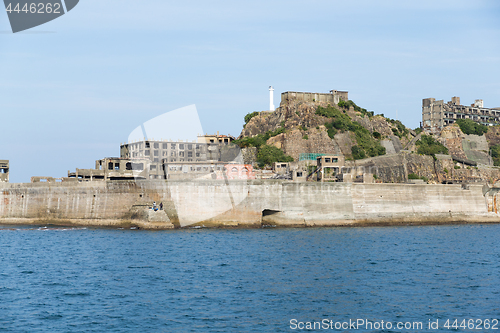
(242, 203)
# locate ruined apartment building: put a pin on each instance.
(113, 168)
(207, 148)
(333, 97)
(4, 171)
(437, 114)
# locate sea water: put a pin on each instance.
(261, 280)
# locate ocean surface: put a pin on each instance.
(265, 280)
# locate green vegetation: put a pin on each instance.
(350, 103)
(302, 127)
(259, 139)
(358, 153)
(418, 130)
(250, 116)
(376, 135)
(267, 155)
(415, 176)
(367, 144)
(456, 167)
(427, 145)
(495, 154)
(305, 137)
(329, 111)
(468, 126)
(445, 170)
(399, 130)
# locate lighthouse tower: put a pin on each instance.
(271, 97)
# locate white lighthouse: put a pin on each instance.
(271, 97)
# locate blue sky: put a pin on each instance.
(73, 89)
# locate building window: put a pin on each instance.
(299, 174)
(146, 152)
(147, 144)
(155, 153)
(327, 160)
(190, 154)
(156, 145)
(137, 166)
(117, 166)
(181, 146)
(110, 166)
(197, 154)
(172, 154)
(155, 160)
(152, 167)
(181, 154)
(234, 170)
(190, 147)
(172, 146)
(165, 146)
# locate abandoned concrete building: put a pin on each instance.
(207, 148)
(114, 168)
(4, 171)
(329, 167)
(437, 114)
(296, 171)
(326, 168)
(207, 170)
(215, 138)
(333, 97)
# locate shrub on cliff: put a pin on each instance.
(367, 143)
(350, 103)
(267, 155)
(250, 116)
(259, 139)
(427, 145)
(468, 126)
(399, 130)
(358, 153)
(495, 154)
(329, 111)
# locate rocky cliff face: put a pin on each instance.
(305, 131)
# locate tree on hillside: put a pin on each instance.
(427, 145)
(468, 126)
(268, 154)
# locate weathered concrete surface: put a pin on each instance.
(244, 204)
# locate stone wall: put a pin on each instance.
(241, 203)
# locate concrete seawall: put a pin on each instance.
(243, 203)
